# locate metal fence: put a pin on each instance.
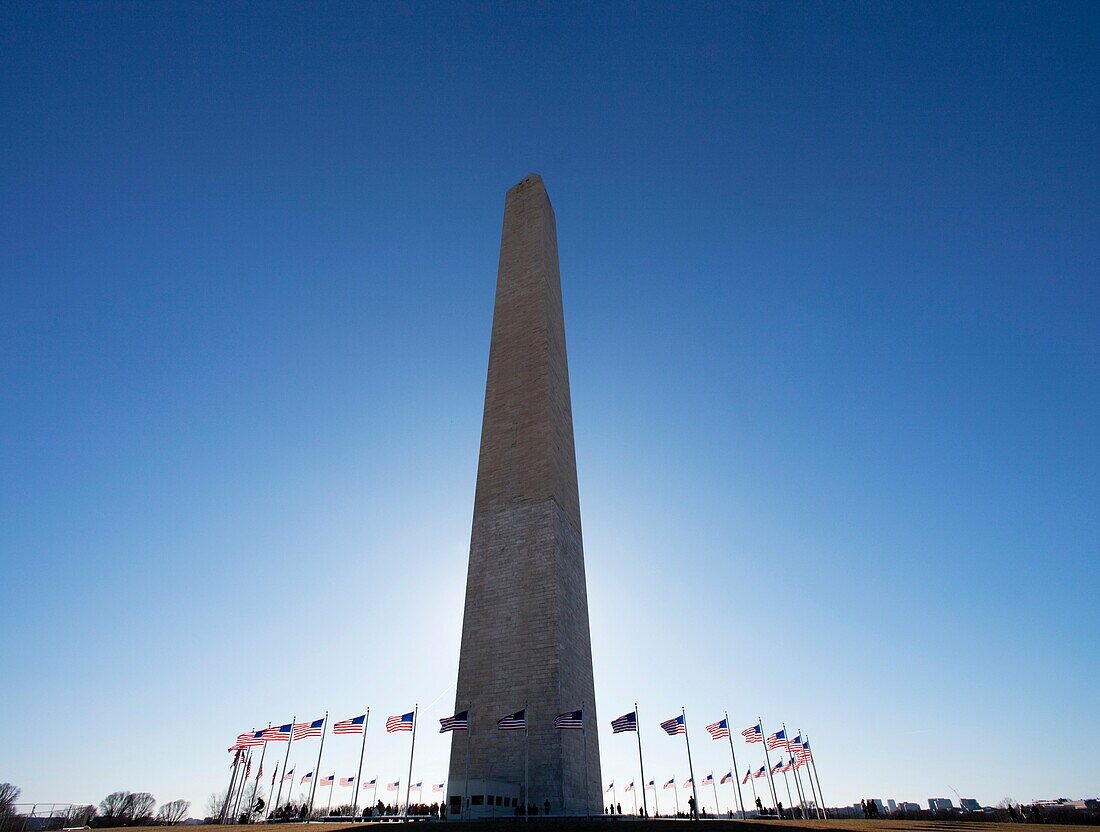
(47, 817)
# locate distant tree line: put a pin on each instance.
(120, 808)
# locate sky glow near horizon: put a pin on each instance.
(829, 277)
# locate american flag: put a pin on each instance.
(308, 729)
(417, 787)
(307, 778)
(748, 774)
(260, 773)
(278, 733)
(354, 725)
(514, 722)
(288, 776)
(753, 734)
(610, 787)
(629, 787)
(569, 721)
(674, 726)
(236, 757)
(248, 768)
(347, 781)
(392, 787)
(438, 787)
(371, 784)
(458, 722)
(777, 740)
(777, 768)
(249, 739)
(726, 778)
(671, 784)
(626, 722)
(763, 772)
(651, 785)
(329, 780)
(718, 730)
(795, 744)
(402, 722)
(709, 779)
(687, 783)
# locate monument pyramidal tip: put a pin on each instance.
(525, 631)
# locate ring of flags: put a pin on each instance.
(798, 749)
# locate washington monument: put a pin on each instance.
(525, 635)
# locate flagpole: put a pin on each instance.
(317, 769)
(813, 789)
(232, 808)
(240, 788)
(412, 748)
(691, 770)
(244, 785)
(331, 786)
(229, 788)
(676, 794)
(810, 778)
(256, 787)
(821, 797)
(286, 759)
(752, 782)
(798, 784)
(584, 735)
(641, 765)
(656, 800)
(359, 774)
(797, 781)
(273, 777)
(634, 794)
(790, 804)
(736, 773)
(714, 785)
(767, 759)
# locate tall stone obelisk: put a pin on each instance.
(525, 635)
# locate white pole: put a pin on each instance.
(229, 788)
(821, 797)
(412, 748)
(286, 759)
(736, 774)
(256, 786)
(359, 773)
(691, 770)
(767, 759)
(317, 769)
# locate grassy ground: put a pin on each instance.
(538, 824)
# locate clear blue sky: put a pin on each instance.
(830, 278)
